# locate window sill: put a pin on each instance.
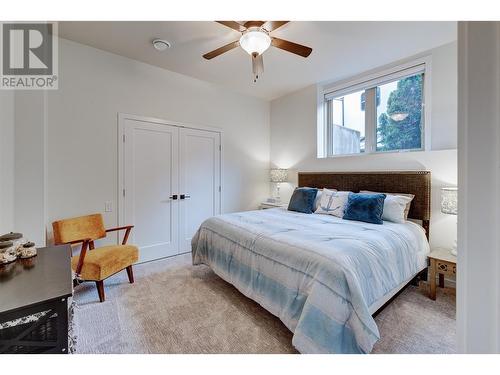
(372, 153)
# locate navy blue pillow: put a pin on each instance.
(302, 200)
(365, 207)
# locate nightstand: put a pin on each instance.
(442, 263)
(266, 205)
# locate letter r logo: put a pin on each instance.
(27, 49)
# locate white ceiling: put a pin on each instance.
(340, 49)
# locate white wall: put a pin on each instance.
(293, 141)
(82, 149)
(444, 97)
(6, 161)
(29, 174)
(66, 141)
(478, 277)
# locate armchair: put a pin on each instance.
(96, 264)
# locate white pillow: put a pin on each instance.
(332, 202)
(404, 195)
(394, 208)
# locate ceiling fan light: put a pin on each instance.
(255, 41)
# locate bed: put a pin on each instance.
(323, 276)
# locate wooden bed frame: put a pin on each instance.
(417, 183)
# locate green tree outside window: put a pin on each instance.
(400, 128)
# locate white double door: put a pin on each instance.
(171, 183)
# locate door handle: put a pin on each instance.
(173, 197)
(185, 196)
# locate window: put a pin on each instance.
(399, 114)
(346, 125)
(383, 114)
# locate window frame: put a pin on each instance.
(369, 82)
(329, 121)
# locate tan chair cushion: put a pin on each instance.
(105, 261)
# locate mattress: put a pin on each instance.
(321, 275)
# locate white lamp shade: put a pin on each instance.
(255, 41)
(449, 200)
(278, 175)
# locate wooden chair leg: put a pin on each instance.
(130, 274)
(100, 290)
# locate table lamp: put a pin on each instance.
(449, 205)
(278, 175)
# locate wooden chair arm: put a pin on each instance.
(74, 242)
(127, 229)
(119, 228)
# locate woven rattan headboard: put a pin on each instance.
(417, 183)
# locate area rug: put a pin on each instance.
(174, 307)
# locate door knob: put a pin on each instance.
(185, 196)
(173, 197)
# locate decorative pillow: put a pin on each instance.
(302, 200)
(408, 202)
(394, 208)
(332, 202)
(365, 207)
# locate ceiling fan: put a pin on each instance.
(255, 40)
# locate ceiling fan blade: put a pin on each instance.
(273, 25)
(233, 25)
(221, 50)
(295, 48)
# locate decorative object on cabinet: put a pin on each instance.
(13, 246)
(7, 252)
(28, 250)
(449, 205)
(17, 239)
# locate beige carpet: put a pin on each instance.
(175, 307)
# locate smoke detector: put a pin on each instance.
(161, 45)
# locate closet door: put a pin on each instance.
(199, 184)
(150, 178)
